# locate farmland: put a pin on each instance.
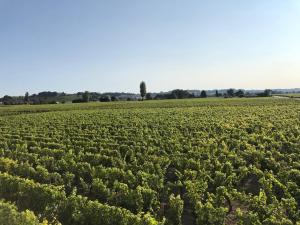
(198, 161)
(292, 95)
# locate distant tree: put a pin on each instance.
(180, 94)
(114, 98)
(217, 93)
(240, 93)
(175, 94)
(203, 94)
(48, 94)
(26, 98)
(148, 96)
(230, 92)
(267, 93)
(143, 90)
(8, 100)
(105, 98)
(86, 96)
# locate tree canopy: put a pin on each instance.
(143, 90)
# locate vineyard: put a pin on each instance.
(173, 162)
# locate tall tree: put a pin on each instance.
(217, 93)
(143, 90)
(26, 98)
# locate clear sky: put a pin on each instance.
(111, 45)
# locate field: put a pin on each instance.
(295, 95)
(212, 161)
(292, 95)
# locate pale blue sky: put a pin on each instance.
(101, 45)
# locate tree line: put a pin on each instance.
(48, 97)
(182, 94)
